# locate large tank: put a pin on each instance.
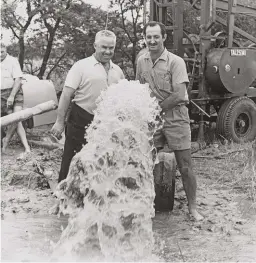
(231, 70)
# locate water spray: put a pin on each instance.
(109, 191)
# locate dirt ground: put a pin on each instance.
(226, 197)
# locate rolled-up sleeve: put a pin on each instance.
(74, 77)
(16, 70)
(139, 71)
(179, 72)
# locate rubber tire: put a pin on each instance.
(220, 118)
(227, 115)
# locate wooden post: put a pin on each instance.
(27, 113)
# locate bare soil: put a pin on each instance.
(226, 197)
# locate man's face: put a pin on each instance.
(3, 53)
(104, 49)
(154, 38)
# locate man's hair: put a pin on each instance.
(152, 24)
(104, 33)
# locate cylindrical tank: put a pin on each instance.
(230, 70)
(212, 71)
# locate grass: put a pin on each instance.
(248, 176)
(238, 168)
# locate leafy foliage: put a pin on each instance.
(49, 36)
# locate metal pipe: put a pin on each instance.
(200, 109)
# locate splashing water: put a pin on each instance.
(109, 191)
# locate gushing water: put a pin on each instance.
(109, 191)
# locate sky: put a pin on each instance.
(97, 3)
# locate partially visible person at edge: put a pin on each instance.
(12, 97)
(167, 77)
(85, 80)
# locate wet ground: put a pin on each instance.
(225, 197)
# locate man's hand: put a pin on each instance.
(178, 96)
(10, 102)
(57, 129)
(164, 104)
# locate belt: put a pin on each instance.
(175, 108)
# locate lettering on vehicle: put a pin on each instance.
(238, 52)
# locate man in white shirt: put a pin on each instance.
(11, 96)
(85, 81)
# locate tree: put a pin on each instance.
(18, 24)
(128, 28)
(51, 15)
(63, 31)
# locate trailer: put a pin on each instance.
(222, 72)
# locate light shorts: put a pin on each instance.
(176, 131)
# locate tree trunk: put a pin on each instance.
(22, 50)
(46, 55)
(134, 58)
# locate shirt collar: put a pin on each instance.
(97, 62)
(163, 56)
(7, 55)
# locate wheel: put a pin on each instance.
(237, 120)
(164, 177)
(220, 119)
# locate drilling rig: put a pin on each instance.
(222, 74)
(222, 71)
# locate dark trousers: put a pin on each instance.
(78, 121)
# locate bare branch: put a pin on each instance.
(47, 25)
(123, 19)
(57, 24)
(133, 21)
(56, 64)
(138, 15)
(16, 20)
(14, 33)
(126, 54)
(28, 6)
(27, 24)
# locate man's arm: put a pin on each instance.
(15, 89)
(64, 102)
(175, 98)
(139, 71)
(72, 83)
(17, 76)
(65, 99)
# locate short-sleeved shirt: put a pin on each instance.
(10, 70)
(168, 70)
(88, 78)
